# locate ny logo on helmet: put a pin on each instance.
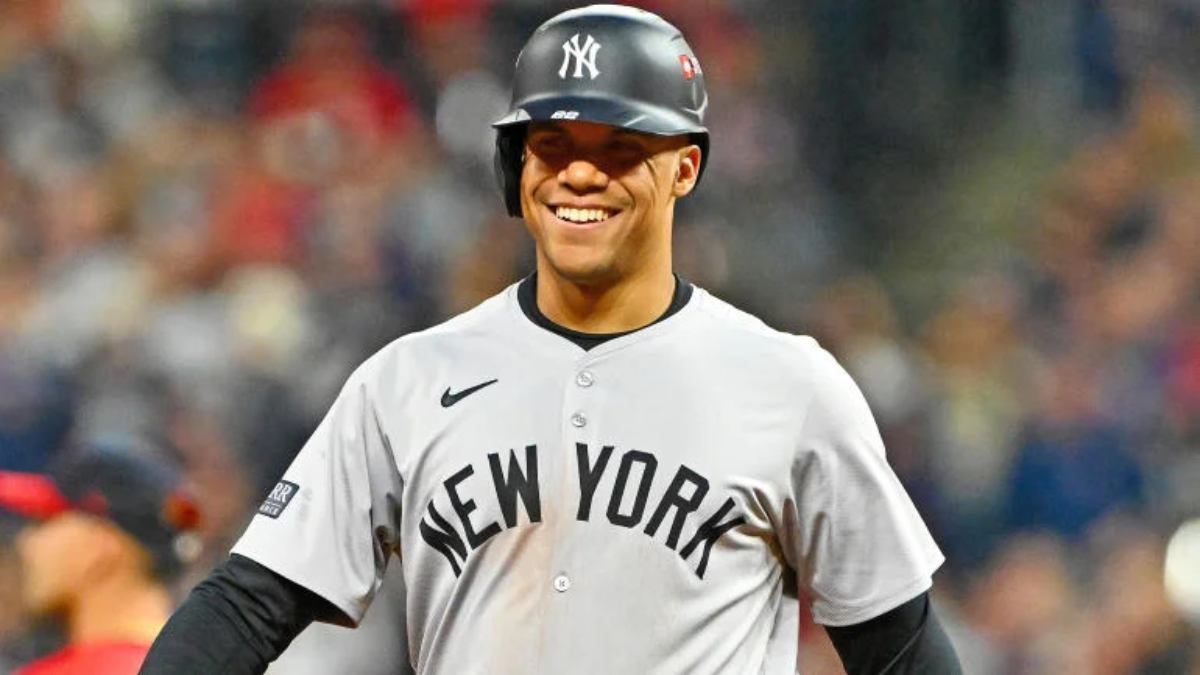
(585, 56)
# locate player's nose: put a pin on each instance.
(582, 175)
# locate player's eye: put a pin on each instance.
(624, 147)
(548, 145)
(622, 154)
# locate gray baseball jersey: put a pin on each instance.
(651, 505)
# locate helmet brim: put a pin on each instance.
(602, 109)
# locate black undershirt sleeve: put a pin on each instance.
(236, 621)
(908, 639)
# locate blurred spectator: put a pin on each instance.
(331, 73)
(106, 537)
(449, 36)
(1131, 627)
(329, 112)
(35, 414)
(1073, 466)
(1024, 609)
(977, 365)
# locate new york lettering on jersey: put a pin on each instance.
(626, 504)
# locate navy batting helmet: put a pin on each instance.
(608, 64)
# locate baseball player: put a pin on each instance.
(105, 533)
(603, 469)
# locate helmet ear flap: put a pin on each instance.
(508, 161)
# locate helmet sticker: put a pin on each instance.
(585, 57)
(690, 66)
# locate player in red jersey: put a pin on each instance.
(103, 540)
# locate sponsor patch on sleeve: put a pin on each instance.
(281, 495)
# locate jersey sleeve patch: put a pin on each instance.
(281, 495)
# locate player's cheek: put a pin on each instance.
(530, 182)
(36, 567)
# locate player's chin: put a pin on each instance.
(580, 264)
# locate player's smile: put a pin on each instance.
(582, 215)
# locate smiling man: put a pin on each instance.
(603, 469)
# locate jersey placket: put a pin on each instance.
(581, 404)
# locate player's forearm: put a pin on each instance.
(202, 637)
(237, 621)
(908, 639)
(931, 652)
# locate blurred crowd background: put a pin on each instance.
(211, 211)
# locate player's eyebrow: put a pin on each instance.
(640, 139)
(631, 133)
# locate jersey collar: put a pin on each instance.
(526, 296)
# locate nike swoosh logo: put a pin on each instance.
(449, 399)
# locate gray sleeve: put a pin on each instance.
(332, 522)
(857, 542)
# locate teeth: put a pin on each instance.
(581, 215)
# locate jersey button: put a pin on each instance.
(585, 378)
(561, 583)
(578, 420)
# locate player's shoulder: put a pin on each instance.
(733, 328)
(811, 372)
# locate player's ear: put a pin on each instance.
(687, 169)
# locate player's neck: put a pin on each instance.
(628, 304)
(119, 609)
